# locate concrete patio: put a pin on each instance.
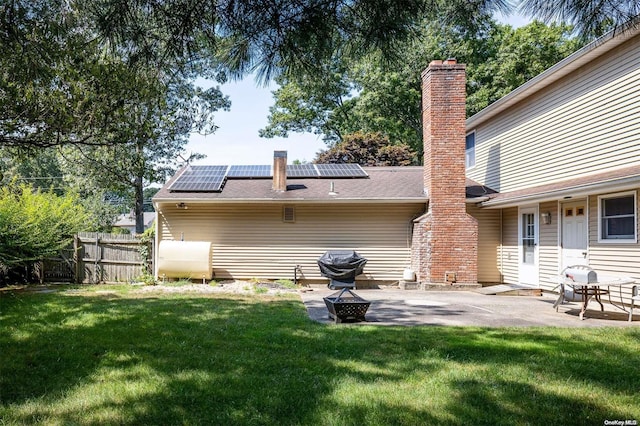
(392, 306)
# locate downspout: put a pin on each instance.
(501, 249)
(156, 241)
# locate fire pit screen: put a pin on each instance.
(341, 267)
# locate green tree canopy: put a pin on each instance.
(127, 117)
(63, 84)
(288, 37)
(370, 95)
(591, 18)
(271, 37)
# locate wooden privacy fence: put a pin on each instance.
(100, 258)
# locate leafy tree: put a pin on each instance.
(271, 37)
(148, 194)
(304, 103)
(289, 37)
(101, 213)
(368, 149)
(517, 56)
(162, 114)
(56, 85)
(61, 84)
(41, 169)
(368, 95)
(36, 224)
(127, 118)
(591, 18)
(46, 170)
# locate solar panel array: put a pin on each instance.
(249, 172)
(200, 179)
(302, 171)
(340, 170)
(213, 178)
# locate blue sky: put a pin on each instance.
(237, 141)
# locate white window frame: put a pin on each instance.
(466, 151)
(633, 240)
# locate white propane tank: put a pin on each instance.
(409, 275)
(185, 259)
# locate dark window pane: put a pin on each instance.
(618, 206)
(471, 140)
(619, 227)
(470, 150)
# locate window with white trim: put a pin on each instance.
(617, 218)
(470, 151)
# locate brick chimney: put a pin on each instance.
(279, 171)
(446, 237)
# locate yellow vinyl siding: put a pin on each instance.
(616, 259)
(548, 247)
(586, 123)
(510, 245)
(252, 241)
(488, 243)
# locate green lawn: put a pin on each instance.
(93, 357)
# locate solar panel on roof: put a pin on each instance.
(341, 170)
(302, 170)
(249, 171)
(200, 178)
(213, 178)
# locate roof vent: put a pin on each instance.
(288, 214)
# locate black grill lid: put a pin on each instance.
(341, 265)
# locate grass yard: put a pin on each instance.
(106, 355)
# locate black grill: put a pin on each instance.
(341, 267)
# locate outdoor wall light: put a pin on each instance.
(546, 218)
(182, 206)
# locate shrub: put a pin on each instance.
(36, 224)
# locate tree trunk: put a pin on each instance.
(139, 211)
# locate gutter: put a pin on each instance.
(476, 200)
(164, 201)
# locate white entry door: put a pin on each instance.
(574, 233)
(528, 246)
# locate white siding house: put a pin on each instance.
(563, 153)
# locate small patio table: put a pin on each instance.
(596, 290)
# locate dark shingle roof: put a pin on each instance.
(383, 183)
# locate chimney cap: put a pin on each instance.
(280, 154)
(451, 61)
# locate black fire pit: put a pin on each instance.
(345, 305)
(341, 267)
